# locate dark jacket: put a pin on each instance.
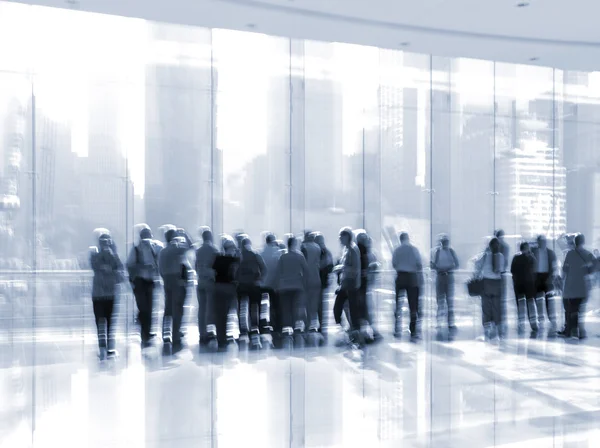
(108, 273)
(252, 270)
(312, 255)
(292, 272)
(225, 268)
(174, 262)
(522, 269)
(578, 266)
(205, 259)
(326, 267)
(270, 255)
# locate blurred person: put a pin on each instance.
(251, 273)
(174, 267)
(407, 263)
(142, 266)
(292, 277)
(545, 270)
(108, 273)
(349, 269)
(523, 270)
(225, 266)
(270, 255)
(312, 254)
(368, 264)
(504, 248)
(325, 270)
(444, 262)
(490, 267)
(205, 258)
(578, 266)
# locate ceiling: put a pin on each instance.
(557, 33)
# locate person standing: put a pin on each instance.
(142, 266)
(225, 267)
(523, 270)
(251, 273)
(174, 267)
(578, 268)
(545, 270)
(349, 269)
(205, 258)
(490, 267)
(444, 262)
(291, 278)
(108, 273)
(325, 270)
(270, 255)
(406, 260)
(312, 254)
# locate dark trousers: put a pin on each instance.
(274, 309)
(249, 297)
(492, 306)
(444, 287)
(313, 298)
(574, 308)
(218, 306)
(204, 292)
(175, 294)
(103, 312)
(293, 308)
(143, 290)
(409, 282)
(526, 305)
(543, 287)
(352, 296)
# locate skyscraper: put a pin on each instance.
(180, 129)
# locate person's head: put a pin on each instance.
(362, 238)
(320, 239)
(170, 235)
(541, 241)
(309, 237)
(524, 247)
(228, 245)
(579, 240)
(281, 245)
(346, 236)
(104, 241)
(246, 244)
(239, 238)
(444, 241)
(146, 233)
(207, 236)
(404, 238)
(270, 239)
(292, 243)
(494, 245)
(499, 234)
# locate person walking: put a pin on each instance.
(490, 267)
(523, 268)
(444, 262)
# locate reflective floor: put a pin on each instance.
(467, 393)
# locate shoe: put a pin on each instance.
(213, 345)
(102, 354)
(112, 353)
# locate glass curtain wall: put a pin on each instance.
(166, 124)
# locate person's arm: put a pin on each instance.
(305, 274)
(262, 267)
(432, 262)
(513, 266)
(455, 258)
(419, 265)
(396, 258)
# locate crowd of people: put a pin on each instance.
(278, 293)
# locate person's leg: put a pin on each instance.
(532, 310)
(100, 323)
(322, 292)
(580, 308)
(440, 296)
(540, 298)
(243, 310)
(167, 327)
(143, 291)
(486, 310)
(355, 308)
(177, 312)
(450, 302)
(399, 288)
(412, 293)
(338, 306)
(286, 299)
(109, 308)
(521, 302)
(202, 295)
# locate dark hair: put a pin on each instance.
(524, 245)
(145, 233)
(348, 232)
(270, 238)
(495, 250)
(499, 233)
(170, 234)
(403, 236)
(291, 241)
(207, 236)
(579, 240)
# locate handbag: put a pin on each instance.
(475, 287)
